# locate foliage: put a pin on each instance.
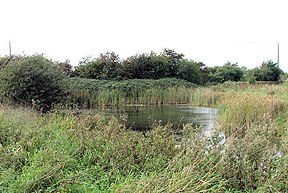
(32, 81)
(92, 153)
(91, 92)
(170, 64)
(145, 66)
(192, 71)
(268, 71)
(104, 67)
(66, 67)
(4, 61)
(87, 153)
(167, 64)
(174, 59)
(227, 72)
(239, 111)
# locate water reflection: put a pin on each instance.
(144, 117)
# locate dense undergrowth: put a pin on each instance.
(67, 153)
(89, 93)
(248, 151)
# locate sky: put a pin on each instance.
(209, 31)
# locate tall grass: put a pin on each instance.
(277, 90)
(87, 153)
(251, 160)
(93, 153)
(239, 111)
(204, 97)
(92, 93)
(251, 163)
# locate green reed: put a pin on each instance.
(92, 93)
(239, 111)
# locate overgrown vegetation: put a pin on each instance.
(32, 81)
(170, 64)
(56, 152)
(89, 153)
(91, 93)
(150, 79)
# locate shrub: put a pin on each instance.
(33, 81)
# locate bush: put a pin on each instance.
(32, 81)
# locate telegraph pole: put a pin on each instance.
(10, 52)
(278, 54)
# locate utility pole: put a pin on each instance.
(10, 52)
(278, 54)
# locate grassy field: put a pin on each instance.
(93, 153)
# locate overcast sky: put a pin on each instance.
(209, 31)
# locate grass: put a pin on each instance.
(90, 152)
(89, 93)
(240, 111)
(93, 153)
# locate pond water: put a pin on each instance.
(144, 117)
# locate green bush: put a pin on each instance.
(32, 81)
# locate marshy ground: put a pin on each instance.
(90, 153)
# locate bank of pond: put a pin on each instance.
(232, 139)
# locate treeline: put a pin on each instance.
(170, 64)
(167, 64)
(39, 82)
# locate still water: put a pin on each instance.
(144, 117)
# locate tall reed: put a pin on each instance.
(92, 93)
(251, 163)
(239, 111)
(204, 96)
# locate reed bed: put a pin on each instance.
(277, 90)
(87, 152)
(87, 93)
(91, 94)
(238, 111)
(204, 96)
(92, 153)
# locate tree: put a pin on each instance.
(106, 66)
(174, 59)
(4, 61)
(268, 71)
(145, 66)
(33, 81)
(192, 71)
(65, 67)
(227, 72)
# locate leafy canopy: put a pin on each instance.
(33, 81)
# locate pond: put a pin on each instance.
(144, 117)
